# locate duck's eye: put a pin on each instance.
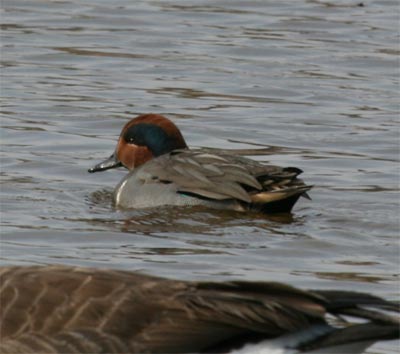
(135, 135)
(130, 137)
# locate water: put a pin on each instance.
(314, 82)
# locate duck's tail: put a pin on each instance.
(280, 200)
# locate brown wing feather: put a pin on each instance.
(65, 309)
(145, 313)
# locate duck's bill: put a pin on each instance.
(111, 162)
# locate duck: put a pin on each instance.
(164, 171)
(72, 309)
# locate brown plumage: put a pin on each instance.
(60, 309)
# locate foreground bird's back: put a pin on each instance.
(77, 310)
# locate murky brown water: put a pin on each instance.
(315, 81)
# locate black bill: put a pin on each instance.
(111, 162)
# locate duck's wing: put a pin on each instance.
(222, 176)
(201, 174)
(62, 309)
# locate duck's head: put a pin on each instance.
(143, 138)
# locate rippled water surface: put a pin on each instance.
(313, 82)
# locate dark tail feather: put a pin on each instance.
(306, 195)
(381, 325)
(281, 201)
(367, 333)
(338, 301)
(279, 206)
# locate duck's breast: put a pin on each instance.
(136, 192)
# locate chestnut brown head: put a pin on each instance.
(143, 138)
